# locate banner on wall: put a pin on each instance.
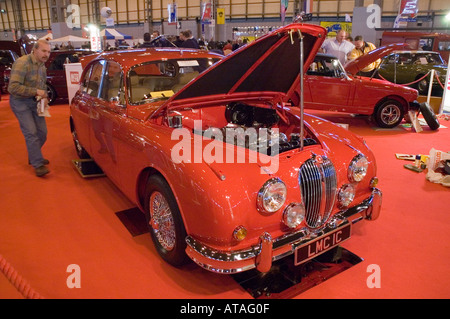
(283, 8)
(94, 38)
(207, 12)
(409, 9)
(407, 12)
(220, 16)
(445, 106)
(334, 27)
(307, 6)
(172, 13)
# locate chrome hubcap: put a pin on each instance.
(161, 221)
(390, 114)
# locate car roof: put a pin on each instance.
(416, 51)
(132, 57)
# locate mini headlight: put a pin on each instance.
(293, 215)
(346, 195)
(358, 168)
(271, 196)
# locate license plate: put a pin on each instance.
(321, 244)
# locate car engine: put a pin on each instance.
(255, 128)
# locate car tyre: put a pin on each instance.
(164, 221)
(389, 114)
(422, 86)
(51, 94)
(429, 116)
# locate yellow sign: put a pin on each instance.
(220, 16)
(334, 27)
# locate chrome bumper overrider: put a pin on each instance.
(268, 249)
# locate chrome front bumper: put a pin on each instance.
(268, 249)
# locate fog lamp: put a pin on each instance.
(271, 196)
(240, 233)
(374, 182)
(346, 195)
(358, 168)
(293, 215)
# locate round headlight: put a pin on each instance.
(358, 168)
(346, 195)
(271, 196)
(293, 215)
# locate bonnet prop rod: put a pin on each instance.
(302, 128)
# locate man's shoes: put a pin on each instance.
(41, 171)
(44, 162)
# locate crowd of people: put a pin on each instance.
(185, 39)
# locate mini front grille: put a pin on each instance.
(317, 180)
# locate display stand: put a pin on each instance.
(133, 220)
(88, 168)
(285, 280)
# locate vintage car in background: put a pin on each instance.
(56, 75)
(7, 58)
(405, 67)
(328, 86)
(225, 171)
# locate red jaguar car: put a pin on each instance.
(227, 174)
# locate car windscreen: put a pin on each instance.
(161, 79)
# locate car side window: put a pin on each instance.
(324, 67)
(112, 86)
(405, 59)
(58, 62)
(95, 78)
(85, 80)
(391, 59)
(6, 57)
(444, 45)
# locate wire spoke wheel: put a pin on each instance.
(161, 221)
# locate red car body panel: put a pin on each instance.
(135, 141)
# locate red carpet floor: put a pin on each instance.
(47, 224)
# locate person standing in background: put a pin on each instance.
(27, 85)
(361, 48)
(338, 46)
(188, 40)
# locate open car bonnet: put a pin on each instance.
(267, 68)
(361, 62)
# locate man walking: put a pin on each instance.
(28, 84)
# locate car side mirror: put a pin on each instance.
(115, 101)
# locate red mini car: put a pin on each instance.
(225, 172)
(329, 87)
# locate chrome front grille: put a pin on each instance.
(317, 180)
